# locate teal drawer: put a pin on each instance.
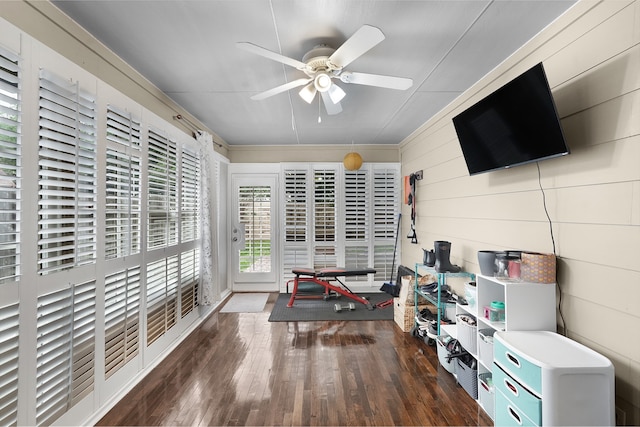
(517, 366)
(507, 414)
(527, 404)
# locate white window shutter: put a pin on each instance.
(324, 220)
(123, 197)
(189, 280)
(296, 220)
(65, 352)
(10, 153)
(9, 333)
(162, 228)
(122, 305)
(67, 176)
(386, 206)
(189, 195)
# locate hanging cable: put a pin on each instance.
(553, 242)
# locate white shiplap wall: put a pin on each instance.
(592, 59)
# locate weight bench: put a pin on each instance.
(324, 277)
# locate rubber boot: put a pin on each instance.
(443, 265)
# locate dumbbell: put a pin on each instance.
(338, 307)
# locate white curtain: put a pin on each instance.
(207, 290)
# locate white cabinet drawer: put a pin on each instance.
(522, 399)
(507, 414)
(516, 365)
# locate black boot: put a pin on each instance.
(443, 265)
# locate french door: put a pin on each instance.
(254, 234)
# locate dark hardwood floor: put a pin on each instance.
(240, 369)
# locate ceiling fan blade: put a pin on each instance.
(336, 93)
(332, 109)
(279, 89)
(400, 83)
(308, 92)
(250, 47)
(360, 42)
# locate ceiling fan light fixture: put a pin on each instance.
(336, 93)
(322, 82)
(308, 93)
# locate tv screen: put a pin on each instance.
(515, 125)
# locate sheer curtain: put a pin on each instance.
(206, 283)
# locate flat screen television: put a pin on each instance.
(515, 125)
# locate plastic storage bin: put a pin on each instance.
(467, 375)
(485, 346)
(470, 293)
(467, 332)
(485, 393)
(443, 352)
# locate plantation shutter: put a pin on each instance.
(67, 176)
(386, 206)
(189, 280)
(123, 198)
(10, 184)
(9, 333)
(65, 351)
(324, 209)
(190, 207)
(163, 200)
(356, 216)
(162, 287)
(122, 305)
(296, 221)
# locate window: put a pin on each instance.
(162, 191)
(67, 176)
(122, 228)
(10, 170)
(296, 220)
(386, 207)
(324, 224)
(189, 280)
(65, 350)
(9, 333)
(352, 214)
(190, 195)
(254, 210)
(162, 285)
(122, 311)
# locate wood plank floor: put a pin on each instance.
(240, 369)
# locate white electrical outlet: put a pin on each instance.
(621, 417)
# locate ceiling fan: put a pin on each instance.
(323, 64)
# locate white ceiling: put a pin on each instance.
(187, 48)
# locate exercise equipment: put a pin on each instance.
(324, 278)
(339, 307)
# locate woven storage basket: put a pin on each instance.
(405, 314)
(538, 268)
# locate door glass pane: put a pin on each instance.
(254, 211)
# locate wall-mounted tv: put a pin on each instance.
(515, 125)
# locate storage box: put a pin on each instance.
(443, 353)
(467, 332)
(538, 268)
(405, 314)
(467, 378)
(407, 291)
(485, 346)
(485, 393)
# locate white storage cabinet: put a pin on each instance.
(545, 379)
(528, 307)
